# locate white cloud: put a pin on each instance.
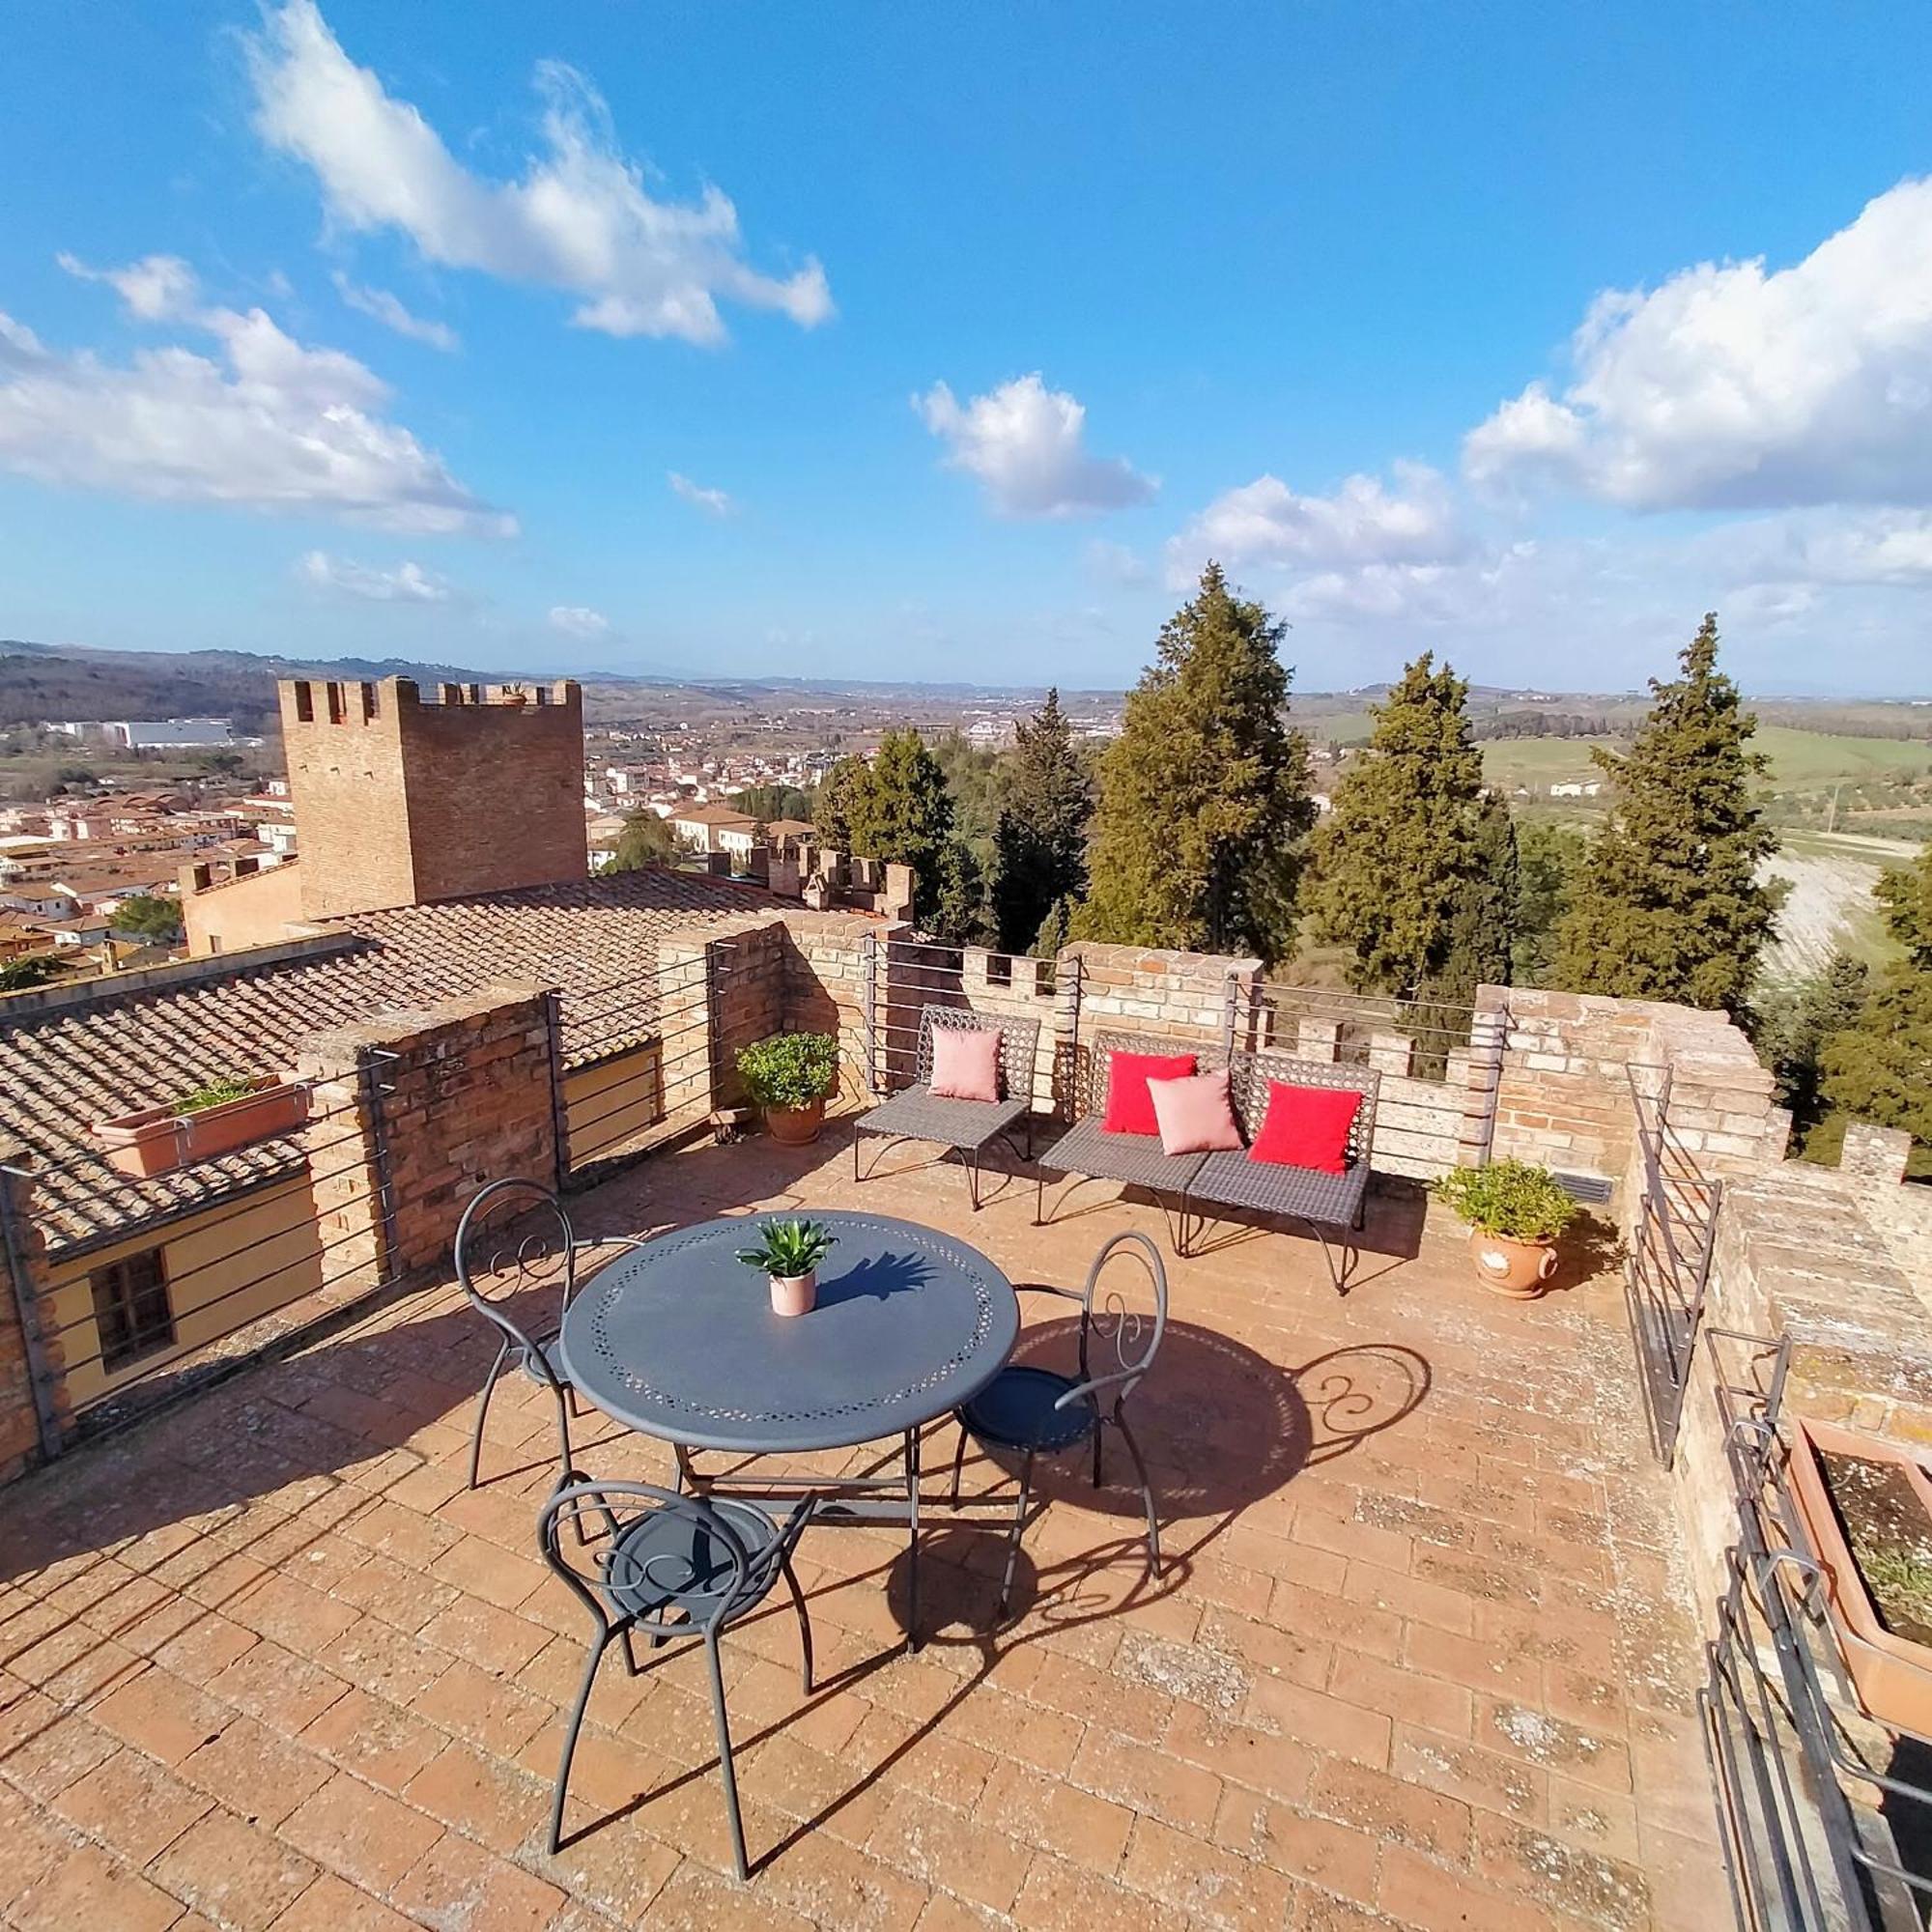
(1264, 525)
(407, 584)
(1731, 386)
(1024, 442)
(579, 620)
(157, 288)
(271, 425)
(1114, 562)
(714, 503)
(388, 310)
(579, 220)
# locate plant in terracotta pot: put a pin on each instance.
(1515, 1210)
(788, 1253)
(789, 1075)
(222, 1114)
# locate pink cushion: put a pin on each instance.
(1129, 1105)
(965, 1063)
(1307, 1126)
(1195, 1114)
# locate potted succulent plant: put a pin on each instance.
(1867, 1506)
(1515, 1210)
(788, 1253)
(789, 1075)
(218, 1116)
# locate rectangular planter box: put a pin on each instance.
(1892, 1674)
(156, 1140)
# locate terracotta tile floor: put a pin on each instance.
(1416, 1660)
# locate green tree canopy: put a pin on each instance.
(836, 800)
(1416, 868)
(1794, 1024)
(1549, 859)
(1040, 841)
(1670, 906)
(34, 969)
(148, 916)
(1879, 1067)
(769, 802)
(646, 840)
(903, 814)
(1203, 796)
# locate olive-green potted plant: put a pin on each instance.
(788, 1253)
(1515, 1210)
(789, 1075)
(217, 1117)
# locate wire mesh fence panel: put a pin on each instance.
(1668, 1260)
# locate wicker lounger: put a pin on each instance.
(966, 1126)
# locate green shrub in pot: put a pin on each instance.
(1517, 1210)
(789, 1077)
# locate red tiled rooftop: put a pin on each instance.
(1417, 1659)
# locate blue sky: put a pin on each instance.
(947, 342)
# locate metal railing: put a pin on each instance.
(300, 1218)
(902, 977)
(1356, 1028)
(1668, 1260)
(1820, 1831)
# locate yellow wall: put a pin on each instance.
(265, 1245)
(612, 1102)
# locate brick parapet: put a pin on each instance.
(29, 1297)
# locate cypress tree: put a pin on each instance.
(1794, 1025)
(1416, 868)
(1670, 905)
(837, 798)
(1203, 796)
(1880, 1069)
(1550, 859)
(903, 814)
(1040, 839)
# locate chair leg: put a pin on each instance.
(803, 1621)
(973, 1176)
(483, 1410)
(958, 1461)
(912, 1539)
(1098, 1431)
(1018, 1530)
(857, 1137)
(727, 1769)
(1335, 1276)
(1147, 1492)
(1040, 1198)
(570, 1741)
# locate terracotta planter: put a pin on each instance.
(795, 1126)
(1893, 1674)
(794, 1293)
(1517, 1269)
(156, 1139)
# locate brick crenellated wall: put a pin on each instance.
(399, 800)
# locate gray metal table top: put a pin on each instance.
(677, 1339)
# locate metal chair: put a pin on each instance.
(1039, 1412)
(514, 1236)
(650, 1560)
(966, 1126)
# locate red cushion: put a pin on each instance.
(1129, 1104)
(965, 1063)
(1307, 1126)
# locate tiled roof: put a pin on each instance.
(63, 1070)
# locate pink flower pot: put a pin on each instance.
(793, 1294)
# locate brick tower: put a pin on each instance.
(398, 801)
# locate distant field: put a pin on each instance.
(1800, 761)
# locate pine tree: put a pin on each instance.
(1203, 796)
(1415, 867)
(1055, 929)
(1795, 1024)
(1670, 905)
(839, 797)
(1040, 840)
(1880, 1069)
(904, 815)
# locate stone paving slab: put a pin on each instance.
(1418, 1658)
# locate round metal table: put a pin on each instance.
(677, 1339)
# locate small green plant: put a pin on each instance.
(788, 1249)
(791, 1069)
(1512, 1198)
(216, 1092)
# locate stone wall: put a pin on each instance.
(717, 988)
(21, 1444)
